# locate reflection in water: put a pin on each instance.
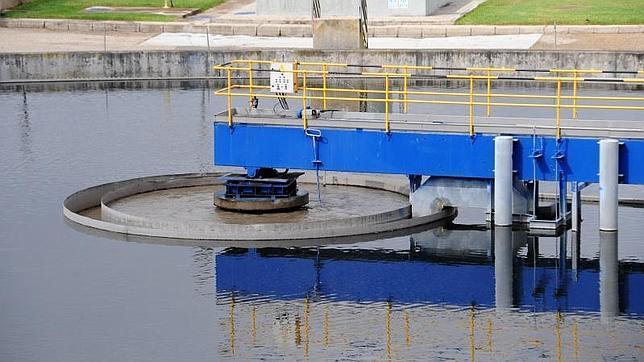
(609, 283)
(25, 127)
(503, 264)
(428, 299)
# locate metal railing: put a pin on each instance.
(403, 74)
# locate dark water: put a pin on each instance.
(464, 293)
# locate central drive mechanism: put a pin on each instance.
(261, 190)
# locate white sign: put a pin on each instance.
(398, 4)
(282, 78)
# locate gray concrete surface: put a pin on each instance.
(331, 33)
(349, 7)
(198, 63)
(335, 36)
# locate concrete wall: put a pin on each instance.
(197, 63)
(347, 7)
(8, 4)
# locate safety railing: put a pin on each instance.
(303, 72)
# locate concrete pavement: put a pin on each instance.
(28, 40)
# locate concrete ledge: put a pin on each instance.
(295, 30)
(151, 27)
(507, 30)
(220, 29)
(455, 30)
(410, 32)
(384, 31)
(80, 26)
(245, 29)
(482, 30)
(268, 30)
(303, 28)
(57, 25)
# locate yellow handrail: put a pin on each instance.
(400, 74)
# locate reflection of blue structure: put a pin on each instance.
(367, 275)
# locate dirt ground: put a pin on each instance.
(608, 42)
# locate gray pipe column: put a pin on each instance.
(503, 178)
(608, 275)
(608, 180)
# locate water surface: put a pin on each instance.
(443, 294)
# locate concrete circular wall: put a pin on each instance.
(119, 222)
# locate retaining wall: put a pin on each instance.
(197, 63)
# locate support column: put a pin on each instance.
(608, 180)
(503, 180)
(576, 207)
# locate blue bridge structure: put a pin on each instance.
(572, 139)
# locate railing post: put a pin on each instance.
(558, 119)
(405, 89)
(324, 71)
(489, 81)
(304, 121)
(471, 106)
(574, 94)
(230, 99)
(250, 82)
(387, 128)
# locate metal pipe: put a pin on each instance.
(608, 180)
(576, 207)
(503, 180)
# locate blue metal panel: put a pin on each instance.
(417, 153)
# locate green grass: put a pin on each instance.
(73, 9)
(564, 12)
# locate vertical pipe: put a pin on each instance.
(608, 179)
(608, 275)
(387, 129)
(503, 180)
(576, 207)
(503, 271)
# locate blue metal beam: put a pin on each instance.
(418, 153)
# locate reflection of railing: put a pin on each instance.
(404, 73)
